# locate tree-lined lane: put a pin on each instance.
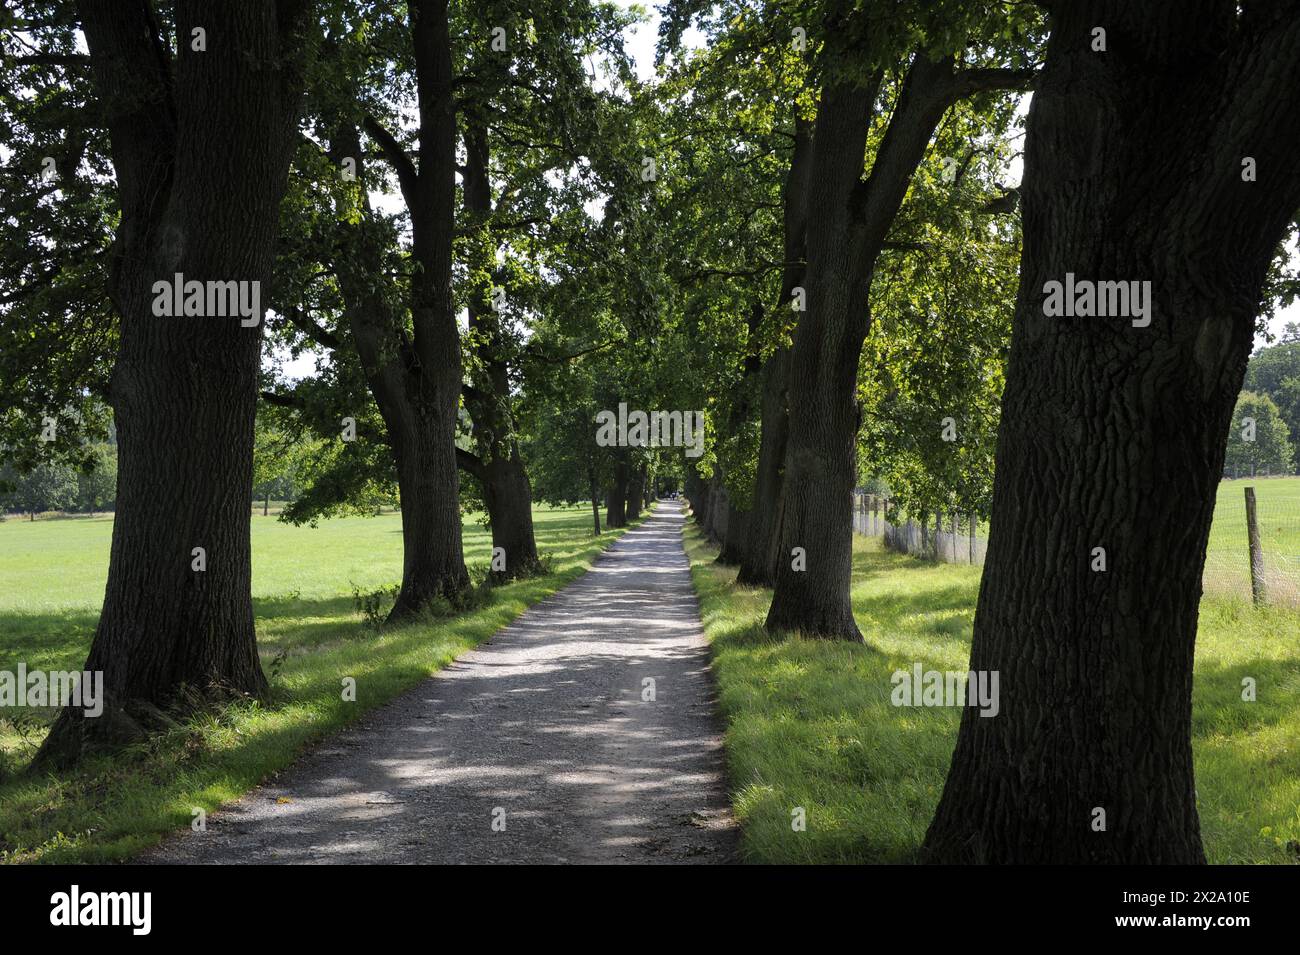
(547, 744)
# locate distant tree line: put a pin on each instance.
(1266, 424)
(87, 483)
(62, 486)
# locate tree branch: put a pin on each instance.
(470, 463)
(1005, 204)
(53, 59)
(397, 157)
(762, 269)
(929, 89)
(982, 80)
(1258, 116)
(474, 393)
(558, 359)
(282, 401)
(123, 42)
(315, 331)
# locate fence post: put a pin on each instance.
(1256, 550)
(973, 520)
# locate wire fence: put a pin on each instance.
(949, 537)
(1274, 548)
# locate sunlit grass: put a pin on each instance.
(809, 724)
(310, 637)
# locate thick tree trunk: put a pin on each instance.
(735, 536)
(710, 510)
(815, 561)
(718, 503)
(420, 432)
(413, 401)
(635, 494)
(697, 494)
(762, 537)
(432, 565)
(762, 531)
(1112, 434)
(201, 150)
(509, 500)
(732, 519)
(614, 504)
(616, 495)
(595, 500)
(506, 489)
(423, 371)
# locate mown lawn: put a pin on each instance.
(810, 724)
(310, 635)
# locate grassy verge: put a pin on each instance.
(310, 637)
(810, 724)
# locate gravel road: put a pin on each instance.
(540, 746)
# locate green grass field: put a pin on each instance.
(810, 724)
(1227, 559)
(52, 575)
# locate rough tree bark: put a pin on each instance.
(595, 498)
(758, 560)
(429, 376)
(498, 465)
(716, 528)
(616, 494)
(697, 496)
(735, 535)
(853, 219)
(201, 148)
(735, 523)
(635, 494)
(395, 379)
(1112, 435)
